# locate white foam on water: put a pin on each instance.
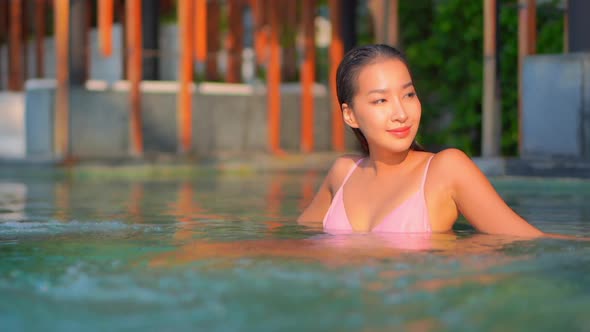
(60, 227)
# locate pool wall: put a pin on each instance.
(556, 107)
(227, 118)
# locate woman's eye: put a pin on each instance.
(379, 101)
(411, 94)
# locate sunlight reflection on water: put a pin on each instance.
(222, 252)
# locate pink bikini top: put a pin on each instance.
(409, 217)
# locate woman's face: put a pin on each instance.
(385, 108)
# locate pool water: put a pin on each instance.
(222, 252)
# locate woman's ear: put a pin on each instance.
(348, 116)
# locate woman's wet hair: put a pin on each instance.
(347, 77)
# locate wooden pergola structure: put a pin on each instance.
(198, 22)
(199, 25)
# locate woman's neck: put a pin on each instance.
(385, 162)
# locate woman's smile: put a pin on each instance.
(401, 132)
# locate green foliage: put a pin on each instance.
(444, 48)
(443, 40)
(508, 62)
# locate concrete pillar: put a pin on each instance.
(578, 12)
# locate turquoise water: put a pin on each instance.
(221, 252)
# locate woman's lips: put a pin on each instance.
(400, 132)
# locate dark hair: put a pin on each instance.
(347, 75)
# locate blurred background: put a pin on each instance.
(119, 79)
(200, 129)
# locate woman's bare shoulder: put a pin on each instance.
(450, 159)
(346, 160)
(455, 170)
(341, 166)
(452, 164)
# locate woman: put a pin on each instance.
(398, 187)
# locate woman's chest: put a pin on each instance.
(368, 204)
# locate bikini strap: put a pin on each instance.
(426, 172)
(351, 170)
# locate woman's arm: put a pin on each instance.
(315, 211)
(478, 201)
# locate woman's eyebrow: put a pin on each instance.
(409, 84)
(378, 91)
(406, 85)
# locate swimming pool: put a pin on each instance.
(221, 252)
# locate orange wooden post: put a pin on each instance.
(308, 76)
(185, 15)
(491, 126)
(273, 83)
(336, 55)
(25, 31)
(200, 30)
(532, 26)
(234, 42)
(15, 58)
(259, 9)
(527, 40)
(106, 14)
(40, 12)
(134, 66)
(3, 29)
(393, 23)
(213, 18)
(61, 122)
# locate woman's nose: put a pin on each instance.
(399, 113)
